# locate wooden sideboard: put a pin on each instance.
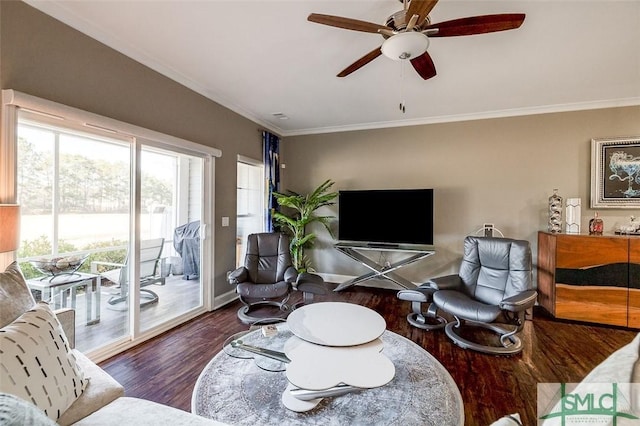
(590, 278)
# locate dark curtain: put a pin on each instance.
(271, 154)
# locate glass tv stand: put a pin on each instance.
(414, 252)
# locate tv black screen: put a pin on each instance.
(386, 216)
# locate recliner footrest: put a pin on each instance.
(429, 320)
(424, 293)
(311, 283)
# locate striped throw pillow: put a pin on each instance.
(36, 363)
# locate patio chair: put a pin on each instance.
(150, 252)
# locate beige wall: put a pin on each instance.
(42, 57)
(499, 171)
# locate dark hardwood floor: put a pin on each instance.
(166, 368)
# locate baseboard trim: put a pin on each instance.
(224, 299)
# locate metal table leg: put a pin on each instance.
(93, 290)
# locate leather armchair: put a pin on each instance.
(492, 290)
(268, 278)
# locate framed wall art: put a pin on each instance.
(615, 173)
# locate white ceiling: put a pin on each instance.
(263, 57)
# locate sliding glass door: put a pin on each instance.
(170, 215)
(118, 221)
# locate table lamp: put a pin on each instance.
(9, 227)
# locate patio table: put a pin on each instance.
(56, 288)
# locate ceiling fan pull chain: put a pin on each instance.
(402, 104)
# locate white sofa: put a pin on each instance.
(101, 402)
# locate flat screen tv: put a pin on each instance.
(386, 216)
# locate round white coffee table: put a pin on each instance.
(336, 324)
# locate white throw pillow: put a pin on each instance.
(37, 364)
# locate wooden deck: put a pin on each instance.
(175, 297)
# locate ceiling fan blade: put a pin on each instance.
(346, 23)
(475, 25)
(361, 62)
(424, 66)
(421, 8)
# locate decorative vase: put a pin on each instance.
(596, 225)
(555, 213)
(572, 215)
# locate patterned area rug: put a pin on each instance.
(237, 392)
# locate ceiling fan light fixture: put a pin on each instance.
(407, 45)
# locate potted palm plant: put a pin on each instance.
(302, 209)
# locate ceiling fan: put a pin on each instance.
(408, 31)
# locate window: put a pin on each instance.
(73, 190)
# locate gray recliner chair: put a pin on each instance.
(268, 278)
(492, 290)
